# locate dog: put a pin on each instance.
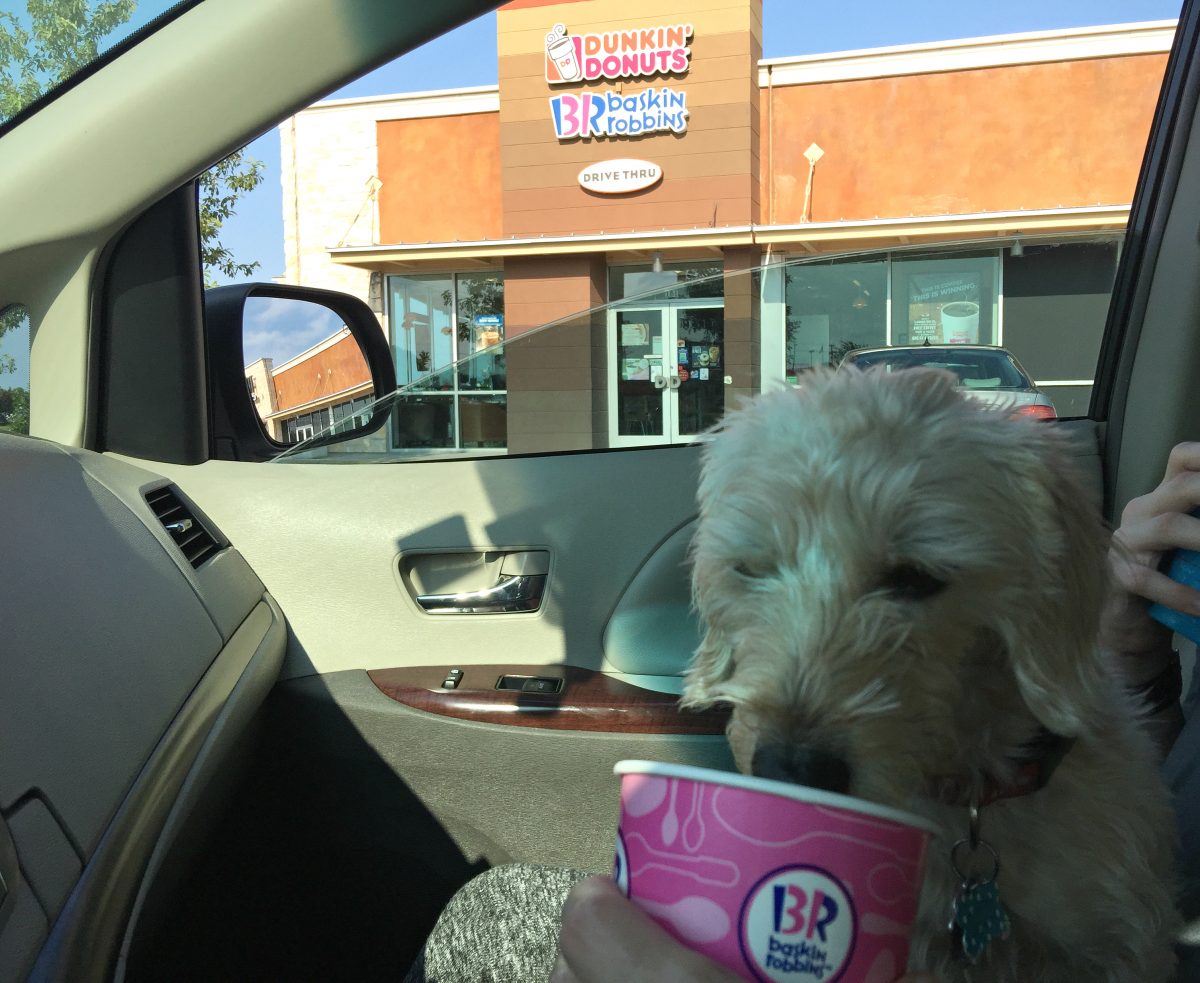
(899, 592)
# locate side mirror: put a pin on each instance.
(334, 363)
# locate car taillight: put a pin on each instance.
(1036, 410)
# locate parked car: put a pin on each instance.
(231, 748)
(985, 373)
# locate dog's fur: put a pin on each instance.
(810, 501)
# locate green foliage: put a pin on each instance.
(56, 39)
(11, 318)
(14, 411)
(220, 187)
(61, 37)
(841, 350)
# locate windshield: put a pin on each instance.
(975, 369)
(49, 44)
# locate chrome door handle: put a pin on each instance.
(522, 592)
(660, 381)
(674, 380)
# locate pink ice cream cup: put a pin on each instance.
(778, 882)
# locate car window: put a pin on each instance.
(595, 254)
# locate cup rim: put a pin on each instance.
(797, 793)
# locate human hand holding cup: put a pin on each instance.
(774, 881)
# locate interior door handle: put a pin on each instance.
(520, 592)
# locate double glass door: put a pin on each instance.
(666, 371)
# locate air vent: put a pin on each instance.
(183, 527)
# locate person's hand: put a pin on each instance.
(1151, 526)
(606, 938)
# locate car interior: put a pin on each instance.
(229, 747)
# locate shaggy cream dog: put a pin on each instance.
(900, 591)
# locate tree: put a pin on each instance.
(58, 37)
(14, 410)
(220, 187)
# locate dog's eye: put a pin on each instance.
(907, 582)
(745, 570)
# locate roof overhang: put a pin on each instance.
(809, 237)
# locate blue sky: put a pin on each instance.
(467, 56)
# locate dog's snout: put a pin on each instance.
(812, 766)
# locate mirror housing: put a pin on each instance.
(236, 429)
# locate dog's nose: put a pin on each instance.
(815, 767)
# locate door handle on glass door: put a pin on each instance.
(673, 380)
(659, 380)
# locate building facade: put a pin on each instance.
(697, 223)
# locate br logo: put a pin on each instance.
(798, 924)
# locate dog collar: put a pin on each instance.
(1031, 771)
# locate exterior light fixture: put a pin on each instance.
(656, 266)
(1017, 250)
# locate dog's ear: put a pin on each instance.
(1052, 643)
(711, 666)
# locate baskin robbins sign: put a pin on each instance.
(618, 55)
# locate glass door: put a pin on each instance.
(666, 373)
(697, 387)
(639, 414)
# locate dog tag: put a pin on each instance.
(979, 917)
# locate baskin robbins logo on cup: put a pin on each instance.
(798, 925)
(638, 53)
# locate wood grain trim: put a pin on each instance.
(589, 701)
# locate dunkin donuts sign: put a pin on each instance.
(617, 55)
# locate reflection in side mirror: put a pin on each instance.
(294, 367)
(304, 369)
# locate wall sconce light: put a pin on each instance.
(1017, 250)
(656, 266)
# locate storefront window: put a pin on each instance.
(678, 281)
(448, 338)
(831, 309)
(480, 317)
(421, 325)
(945, 299)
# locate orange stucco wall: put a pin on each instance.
(1033, 136)
(441, 178)
(338, 367)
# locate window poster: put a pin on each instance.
(635, 370)
(943, 308)
(633, 335)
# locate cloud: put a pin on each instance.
(282, 329)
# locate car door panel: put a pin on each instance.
(328, 543)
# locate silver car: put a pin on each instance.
(985, 373)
